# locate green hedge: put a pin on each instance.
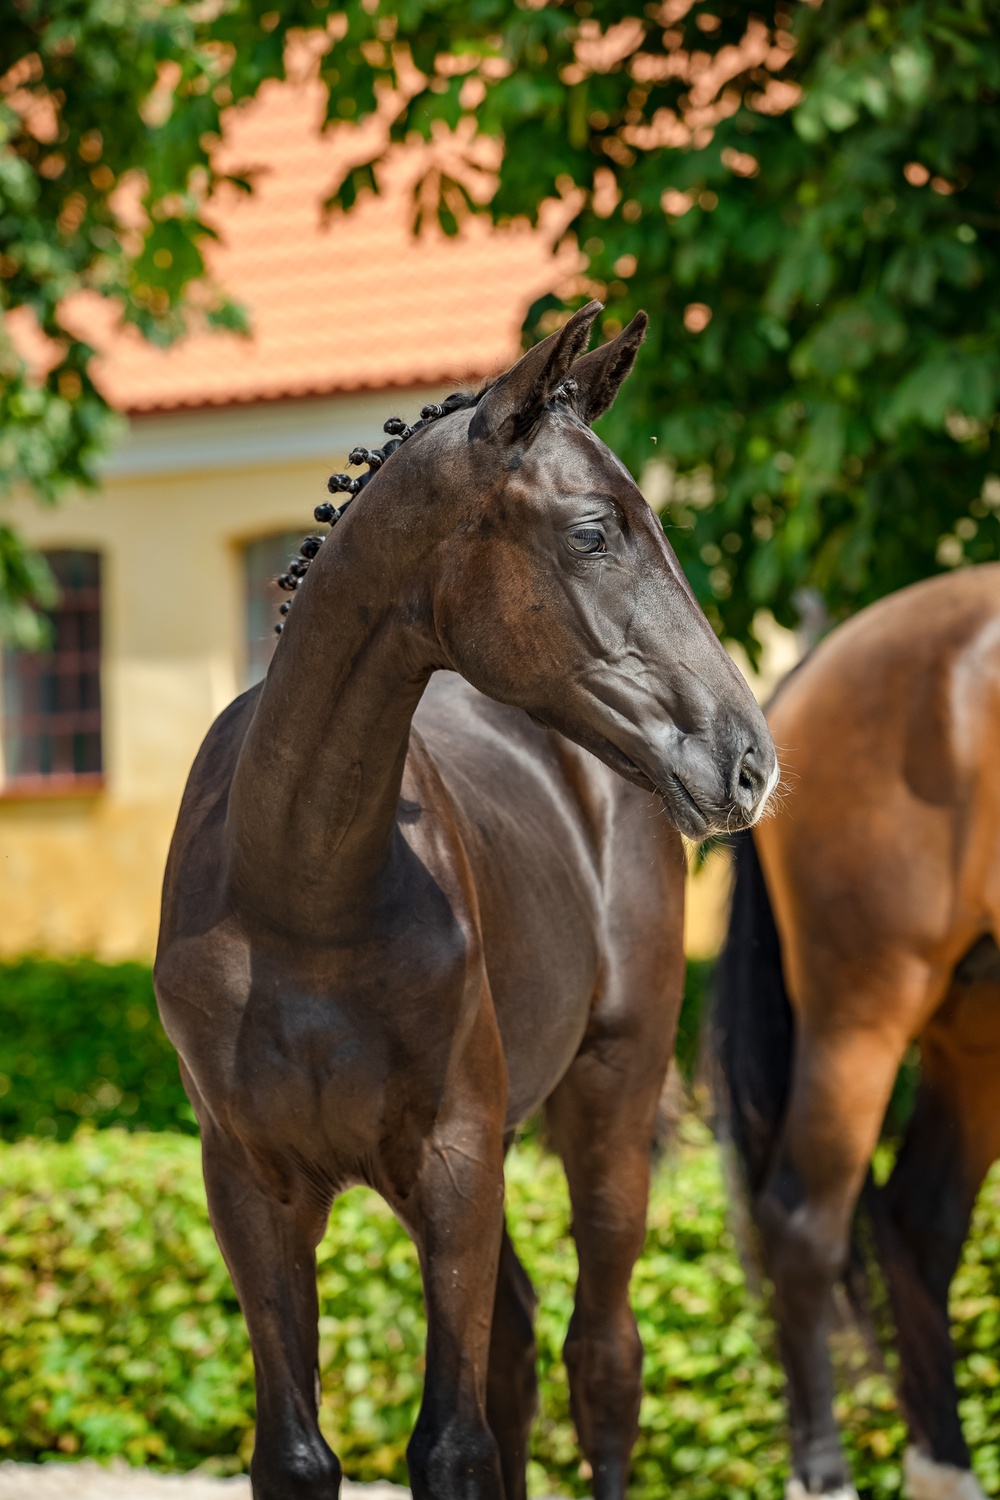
(79, 1041)
(121, 1333)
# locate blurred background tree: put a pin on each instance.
(806, 200)
(109, 112)
(804, 197)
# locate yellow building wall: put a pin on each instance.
(706, 905)
(81, 873)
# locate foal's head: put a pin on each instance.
(557, 591)
(551, 586)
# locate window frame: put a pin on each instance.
(260, 611)
(38, 784)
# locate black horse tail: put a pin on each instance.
(752, 1027)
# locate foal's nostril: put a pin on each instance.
(749, 781)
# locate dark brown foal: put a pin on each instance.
(405, 910)
(865, 917)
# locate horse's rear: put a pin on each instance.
(866, 916)
(891, 736)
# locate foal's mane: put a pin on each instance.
(328, 514)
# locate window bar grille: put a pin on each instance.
(52, 698)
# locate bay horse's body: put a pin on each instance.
(395, 922)
(871, 907)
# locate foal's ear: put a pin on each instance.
(515, 401)
(599, 374)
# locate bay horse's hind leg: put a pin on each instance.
(922, 1218)
(512, 1384)
(601, 1118)
(842, 1079)
(269, 1246)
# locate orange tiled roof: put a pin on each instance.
(350, 303)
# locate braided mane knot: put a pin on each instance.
(343, 482)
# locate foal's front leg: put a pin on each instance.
(270, 1248)
(602, 1117)
(455, 1214)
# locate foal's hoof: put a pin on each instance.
(923, 1479)
(306, 1471)
(454, 1463)
(796, 1490)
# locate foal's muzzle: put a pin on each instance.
(702, 796)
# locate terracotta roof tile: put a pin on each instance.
(347, 303)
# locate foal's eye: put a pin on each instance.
(588, 539)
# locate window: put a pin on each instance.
(263, 560)
(52, 698)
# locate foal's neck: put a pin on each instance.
(313, 804)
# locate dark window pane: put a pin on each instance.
(52, 698)
(263, 560)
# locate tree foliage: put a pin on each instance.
(109, 112)
(805, 199)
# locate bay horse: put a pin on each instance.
(865, 917)
(399, 916)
